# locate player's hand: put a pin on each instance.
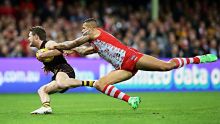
(39, 55)
(86, 32)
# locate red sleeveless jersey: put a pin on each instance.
(110, 48)
(116, 53)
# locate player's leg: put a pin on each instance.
(64, 81)
(149, 63)
(105, 85)
(43, 93)
(113, 77)
(180, 62)
(47, 89)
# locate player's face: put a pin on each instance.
(31, 39)
(85, 28)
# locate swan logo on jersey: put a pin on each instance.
(110, 53)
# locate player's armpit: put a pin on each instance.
(39, 55)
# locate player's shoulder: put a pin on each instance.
(50, 43)
(95, 33)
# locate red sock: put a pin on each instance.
(180, 62)
(111, 90)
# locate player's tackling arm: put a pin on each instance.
(72, 44)
(82, 50)
(49, 53)
(85, 50)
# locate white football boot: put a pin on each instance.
(43, 110)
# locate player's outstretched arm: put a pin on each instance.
(49, 53)
(85, 50)
(72, 44)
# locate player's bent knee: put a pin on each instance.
(96, 85)
(39, 90)
(99, 85)
(42, 90)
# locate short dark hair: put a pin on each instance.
(90, 20)
(39, 30)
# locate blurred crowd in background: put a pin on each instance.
(184, 28)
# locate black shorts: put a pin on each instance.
(66, 68)
(70, 74)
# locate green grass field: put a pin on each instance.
(155, 108)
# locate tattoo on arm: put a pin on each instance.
(51, 53)
(79, 41)
(89, 50)
(74, 43)
(84, 50)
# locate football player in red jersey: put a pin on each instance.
(127, 61)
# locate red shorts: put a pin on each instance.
(130, 60)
